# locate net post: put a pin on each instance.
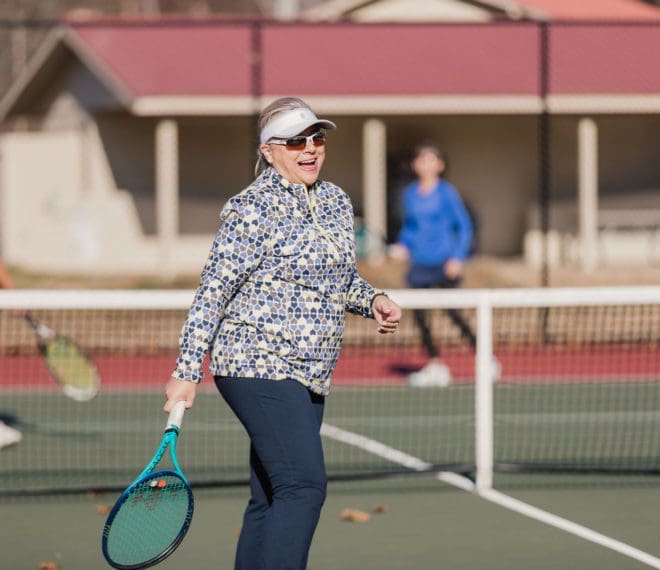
(483, 395)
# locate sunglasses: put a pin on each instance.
(300, 142)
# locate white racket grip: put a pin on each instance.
(176, 415)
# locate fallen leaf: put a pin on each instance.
(355, 515)
(102, 509)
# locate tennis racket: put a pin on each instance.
(152, 516)
(66, 362)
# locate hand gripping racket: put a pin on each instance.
(150, 519)
(67, 364)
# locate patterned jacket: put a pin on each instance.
(273, 294)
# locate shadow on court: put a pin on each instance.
(427, 525)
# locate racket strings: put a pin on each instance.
(151, 519)
(71, 365)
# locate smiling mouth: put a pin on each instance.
(308, 164)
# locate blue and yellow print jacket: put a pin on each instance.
(279, 278)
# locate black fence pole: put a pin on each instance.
(256, 63)
(544, 151)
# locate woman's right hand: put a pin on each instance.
(179, 390)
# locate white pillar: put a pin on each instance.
(588, 193)
(167, 193)
(286, 9)
(374, 200)
(483, 397)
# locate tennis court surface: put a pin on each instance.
(556, 463)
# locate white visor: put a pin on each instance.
(288, 124)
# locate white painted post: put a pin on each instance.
(483, 395)
(167, 193)
(588, 193)
(374, 168)
(286, 9)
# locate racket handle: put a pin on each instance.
(176, 415)
(42, 330)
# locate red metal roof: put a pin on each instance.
(612, 59)
(173, 59)
(216, 59)
(616, 10)
(394, 59)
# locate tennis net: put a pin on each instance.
(578, 391)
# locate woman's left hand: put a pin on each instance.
(387, 314)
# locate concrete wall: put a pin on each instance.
(53, 221)
(45, 218)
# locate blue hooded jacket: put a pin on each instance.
(436, 226)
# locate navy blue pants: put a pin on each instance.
(287, 470)
(429, 277)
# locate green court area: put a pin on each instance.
(427, 524)
(103, 443)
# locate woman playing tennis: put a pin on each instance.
(270, 310)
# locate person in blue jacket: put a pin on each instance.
(436, 238)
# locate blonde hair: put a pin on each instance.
(267, 115)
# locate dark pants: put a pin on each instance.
(432, 277)
(287, 471)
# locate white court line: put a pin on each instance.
(417, 464)
(569, 526)
(374, 447)
(456, 480)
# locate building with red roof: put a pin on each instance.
(128, 136)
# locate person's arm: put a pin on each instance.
(6, 282)
(237, 250)
(462, 225)
(360, 296)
